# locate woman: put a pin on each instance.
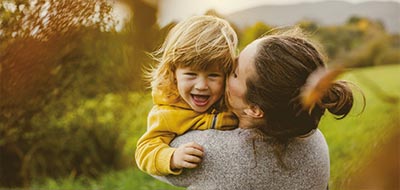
(277, 144)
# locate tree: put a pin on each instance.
(49, 58)
(252, 33)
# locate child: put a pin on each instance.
(187, 89)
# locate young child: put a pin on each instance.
(188, 88)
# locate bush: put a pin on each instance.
(83, 139)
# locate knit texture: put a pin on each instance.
(231, 163)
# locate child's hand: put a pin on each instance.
(188, 155)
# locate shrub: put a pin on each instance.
(87, 138)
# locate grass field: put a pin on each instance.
(351, 141)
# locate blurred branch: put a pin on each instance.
(44, 18)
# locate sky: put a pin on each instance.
(174, 10)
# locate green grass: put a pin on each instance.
(118, 180)
(351, 140)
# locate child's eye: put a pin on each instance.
(190, 74)
(214, 75)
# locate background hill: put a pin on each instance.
(324, 13)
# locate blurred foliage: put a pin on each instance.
(93, 137)
(359, 42)
(61, 59)
(44, 18)
(251, 33)
(72, 99)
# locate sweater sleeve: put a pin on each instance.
(153, 153)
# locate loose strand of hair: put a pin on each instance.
(364, 100)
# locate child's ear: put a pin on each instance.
(254, 111)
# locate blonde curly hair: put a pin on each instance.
(197, 42)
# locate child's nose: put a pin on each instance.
(201, 84)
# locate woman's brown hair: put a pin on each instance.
(283, 64)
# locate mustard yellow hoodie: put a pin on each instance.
(165, 122)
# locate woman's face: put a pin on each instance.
(236, 84)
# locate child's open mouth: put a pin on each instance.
(200, 100)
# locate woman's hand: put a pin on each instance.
(187, 155)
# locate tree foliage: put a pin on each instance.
(249, 34)
(358, 42)
(64, 58)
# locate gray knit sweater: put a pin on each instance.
(231, 163)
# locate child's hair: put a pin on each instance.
(197, 42)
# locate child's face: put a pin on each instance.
(200, 89)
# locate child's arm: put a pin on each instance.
(154, 155)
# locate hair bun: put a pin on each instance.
(317, 85)
(322, 91)
(338, 99)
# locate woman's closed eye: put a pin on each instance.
(234, 74)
